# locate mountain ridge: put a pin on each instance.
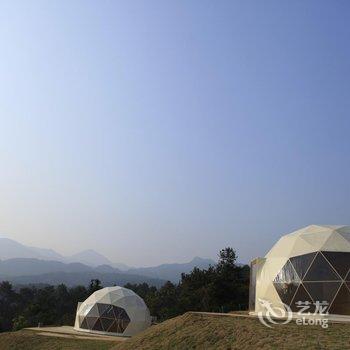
(173, 271)
(18, 260)
(11, 249)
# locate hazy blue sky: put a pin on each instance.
(155, 131)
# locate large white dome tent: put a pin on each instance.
(113, 311)
(311, 264)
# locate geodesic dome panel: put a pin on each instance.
(113, 310)
(320, 276)
(308, 265)
(105, 318)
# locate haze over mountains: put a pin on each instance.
(22, 264)
(10, 249)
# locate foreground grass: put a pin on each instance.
(27, 340)
(198, 332)
(202, 332)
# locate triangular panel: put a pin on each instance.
(302, 263)
(341, 303)
(312, 229)
(321, 270)
(120, 326)
(300, 299)
(98, 326)
(287, 274)
(106, 323)
(84, 324)
(317, 240)
(346, 235)
(345, 232)
(108, 312)
(114, 328)
(124, 316)
(300, 246)
(102, 308)
(340, 261)
(337, 243)
(106, 299)
(322, 291)
(286, 291)
(91, 321)
(347, 278)
(282, 248)
(93, 312)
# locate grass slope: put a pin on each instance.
(201, 332)
(27, 340)
(206, 332)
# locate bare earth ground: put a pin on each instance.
(200, 332)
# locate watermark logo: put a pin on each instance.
(274, 314)
(282, 314)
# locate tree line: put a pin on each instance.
(220, 288)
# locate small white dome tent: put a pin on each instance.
(308, 265)
(113, 311)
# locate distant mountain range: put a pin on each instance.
(22, 264)
(34, 271)
(10, 249)
(172, 272)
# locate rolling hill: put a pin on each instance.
(193, 331)
(213, 332)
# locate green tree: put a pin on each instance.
(19, 323)
(94, 286)
(227, 259)
(8, 305)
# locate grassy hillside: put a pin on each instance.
(193, 331)
(201, 332)
(27, 340)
